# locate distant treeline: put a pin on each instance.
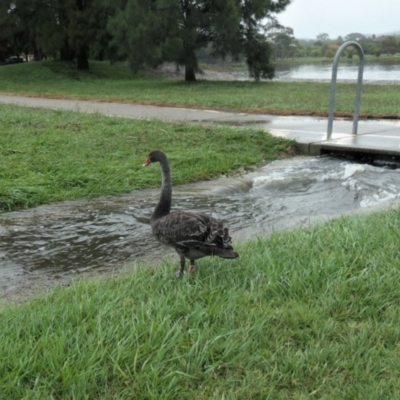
(287, 46)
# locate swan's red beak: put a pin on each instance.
(147, 162)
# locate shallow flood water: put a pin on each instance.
(51, 244)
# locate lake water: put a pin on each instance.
(379, 70)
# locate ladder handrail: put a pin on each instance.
(333, 86)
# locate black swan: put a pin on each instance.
(192, 235)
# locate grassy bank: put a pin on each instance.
(303, 314)
(49, 156)
(113, 83)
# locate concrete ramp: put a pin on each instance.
(375, 138)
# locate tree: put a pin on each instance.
(82, 28)
(150, 32)
(339, 41)
(15, 28)
(389, 45)
(284, 42)
(331, 50)
(355, 36)
(322, 37)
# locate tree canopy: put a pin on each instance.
(72, 29)
(153, 31)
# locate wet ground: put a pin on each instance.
(53, 244)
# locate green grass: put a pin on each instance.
(300, 315)
(116, 83)
(48, 156)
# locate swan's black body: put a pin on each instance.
(192, 235)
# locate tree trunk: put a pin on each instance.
(37, 54)
(190, 65)
(82, 59)
(66, 53)
(100, 55)
(190, 75)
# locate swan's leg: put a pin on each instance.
(192, 266)
(181, 270)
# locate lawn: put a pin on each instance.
(105, 82)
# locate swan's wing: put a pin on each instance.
(182, 229)
(191, 230)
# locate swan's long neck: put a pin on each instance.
(164, 204)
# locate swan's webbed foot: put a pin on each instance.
(179, 273)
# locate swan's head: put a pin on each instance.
(154, 156)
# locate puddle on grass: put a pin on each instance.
(52, 244)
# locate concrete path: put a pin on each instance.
(376, 137)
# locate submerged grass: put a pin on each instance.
(48, 156)
(302, 314)
(116, 83)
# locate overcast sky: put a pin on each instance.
(308, 18)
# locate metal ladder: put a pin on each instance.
(333, 86)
